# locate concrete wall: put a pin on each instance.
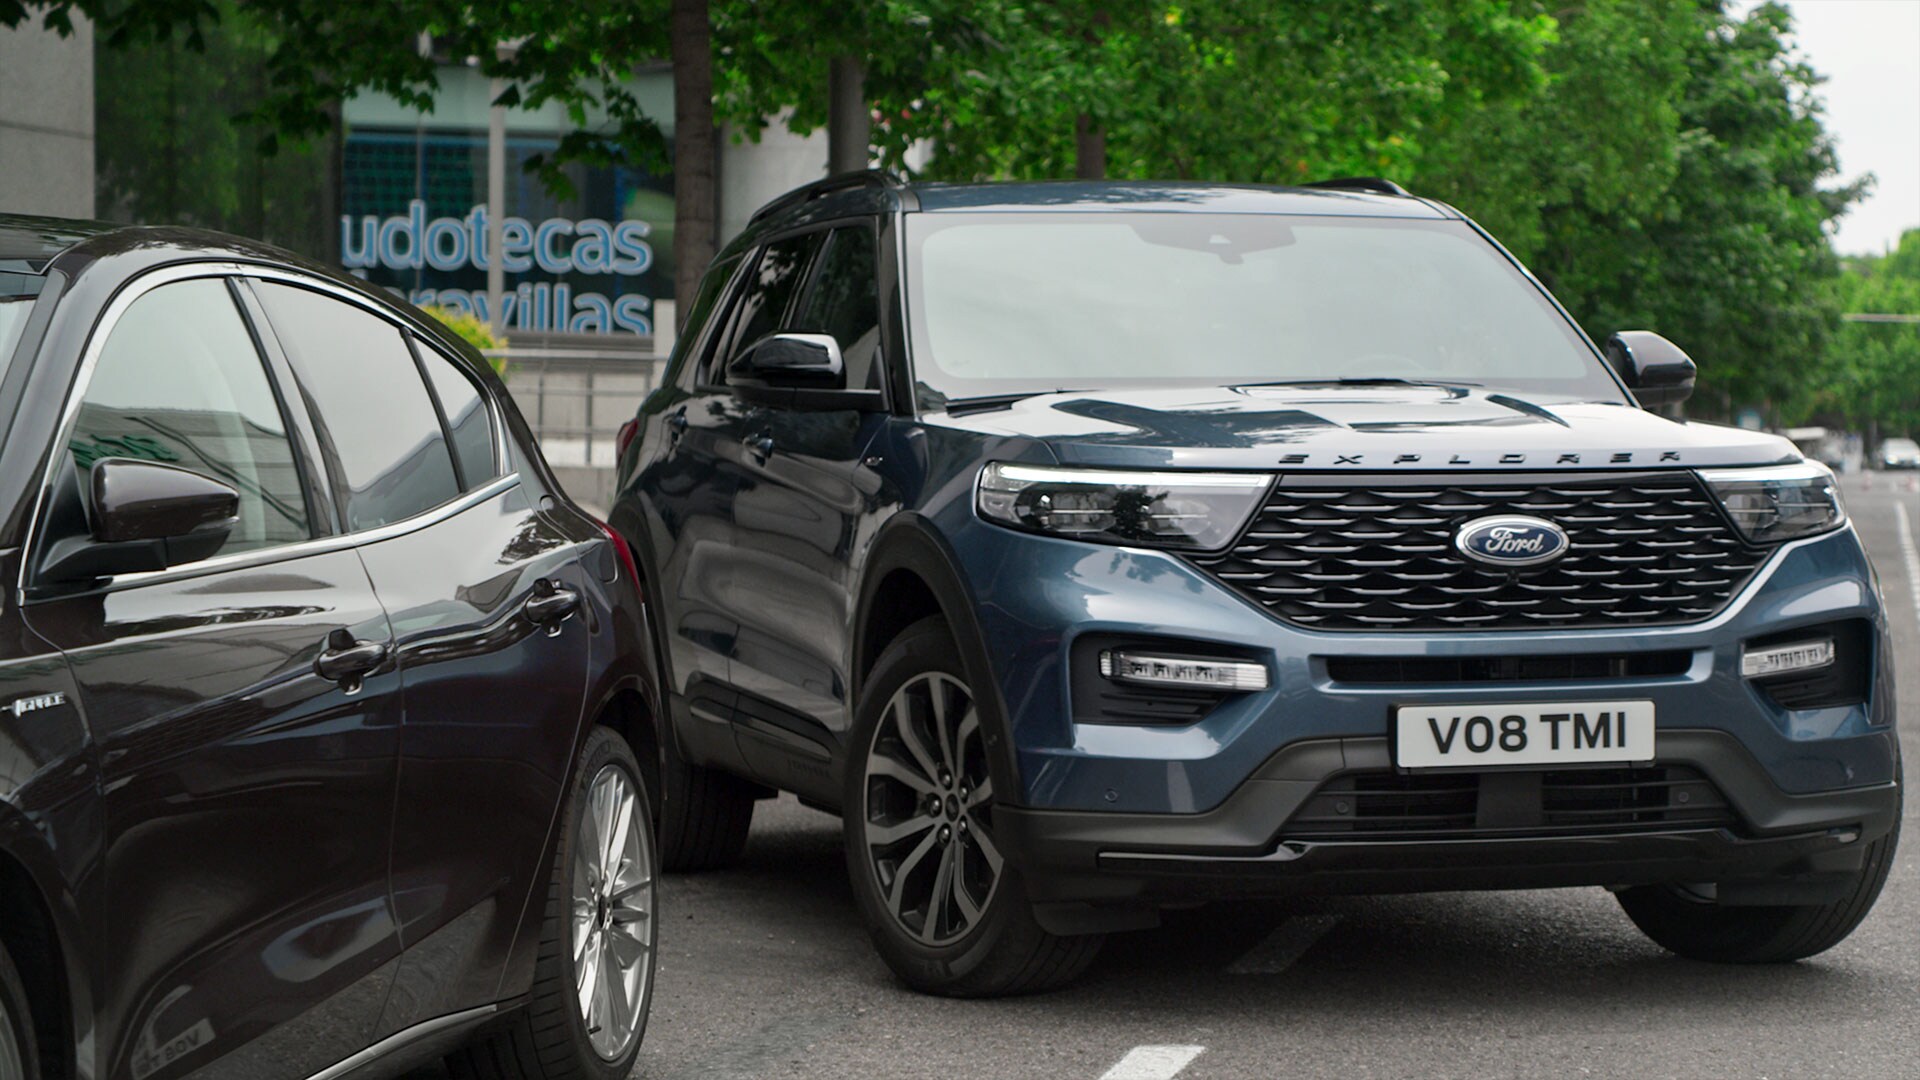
(752, 174)
(46, 121)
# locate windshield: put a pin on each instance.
(1015, 303)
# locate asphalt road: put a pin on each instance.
(765, 971)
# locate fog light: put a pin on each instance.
(1148, 670)
(1786, 659)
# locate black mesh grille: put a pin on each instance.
(1568, 802)
(1645, 549)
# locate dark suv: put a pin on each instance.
(1095, 547)
(316, 692)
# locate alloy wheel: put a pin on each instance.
(925, 817)
(612, 913)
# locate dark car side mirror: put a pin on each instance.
(1655, 369)
(142, 516)
(800, 371)
(790, 361)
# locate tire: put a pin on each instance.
(893, 832)
(1698, 929)
(19, 1056)
(551, 1038)
(705, 817)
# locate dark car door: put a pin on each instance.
(701, 476)
(804, 492)
(247, 801)
(484, 594)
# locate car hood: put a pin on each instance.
(1365, 428)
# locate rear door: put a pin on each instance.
(484, 592)
(247, 800)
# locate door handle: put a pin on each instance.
(762, 447)
(346, 660)
(550, 605)
(678, 422)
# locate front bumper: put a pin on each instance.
(1035, 596)
(1787, 847)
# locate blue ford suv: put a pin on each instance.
(1092, 548)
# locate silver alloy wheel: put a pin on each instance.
(612, 913)
(12, 1065)
(925, 816)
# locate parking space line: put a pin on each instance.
(1153, 1063)
(1910, 556)
(1288, 942)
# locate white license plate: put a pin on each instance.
(1562, 732)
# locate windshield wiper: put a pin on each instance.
(985, 402)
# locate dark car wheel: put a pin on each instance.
(705, 817)
(18, 1060)
(1689, 924)
(947, 912)
(593, 981)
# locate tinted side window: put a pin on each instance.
(776, 278)
(385, 451)
(469, 420)
(844, 301)
(179, 381)
(694, 352)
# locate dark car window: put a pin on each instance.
(844, 301)
(468, 419)
(775, 280)
(377, 428)
(697, 353)
(180, 382)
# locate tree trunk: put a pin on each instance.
(1089, 148)
(849, 121)
(695, 191)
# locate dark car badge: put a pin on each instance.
(1511, 540)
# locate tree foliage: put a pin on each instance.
(1675, 175)
(1659, 163)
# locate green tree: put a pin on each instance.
(168, 149)
(1874, 384)
(1675, 175)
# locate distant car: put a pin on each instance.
(319, 699)
(1097, 548)
(1900, 454)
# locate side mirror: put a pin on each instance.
(1655, 369)
(790, 361)
(144, 516)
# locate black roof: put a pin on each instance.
(28, 244)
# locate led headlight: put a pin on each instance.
(1197, 511)
(1779, 502)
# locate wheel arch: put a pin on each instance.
(41, 929)
(911, 575)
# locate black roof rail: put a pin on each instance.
(1376, 184)
(865, 178)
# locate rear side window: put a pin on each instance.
(180, 382)
(695, 351)
(469, 422)
(382, 440)
(776, 278)
(844, 302)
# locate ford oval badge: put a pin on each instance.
(1511, 540)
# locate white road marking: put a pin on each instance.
(1910, 555)
(1153, 1063)
(1288, 942)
